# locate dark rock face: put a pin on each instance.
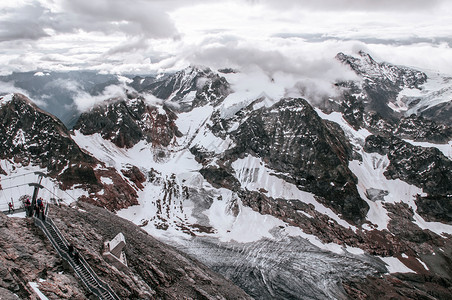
(398, 286)
(441, 112)
(408, 162)
(292, 139)
(435, 208)
(155, 270)
(126, 122)
(426, 168)
(421, 129)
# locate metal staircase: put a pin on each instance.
(80, 266)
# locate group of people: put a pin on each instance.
(38, 208)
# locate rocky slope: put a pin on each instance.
(155, 270)
(27, 256)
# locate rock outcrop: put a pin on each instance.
(27, 256)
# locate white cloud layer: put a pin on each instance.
(295, 37)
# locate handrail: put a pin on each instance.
(103, 287)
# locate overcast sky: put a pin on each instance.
(296, 37)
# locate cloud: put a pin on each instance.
(132, 18)
(26, 23)
(9, 87)
(151, 36)
(305, 63)
(341, 5)
(84, 101)
(301, 69)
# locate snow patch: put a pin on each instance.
(19, 139)
(39, 74)
(394, 265)
(35, 288)
(354, 250)
(248, 226)
(106, 180)
(5, 99)
(370, 176)
(255, 176)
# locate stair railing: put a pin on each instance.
(103, 287)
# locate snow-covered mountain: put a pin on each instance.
(283, 198)
(392, 92)
(34, 140)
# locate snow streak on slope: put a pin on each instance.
(254, 176)
(446, 149)
(356, 137)
(370, 176)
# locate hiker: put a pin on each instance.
(40, 203)
(43, 216)
(70, 249)
(76, 256)
(36, 208)
(10, 208)
(27, 207)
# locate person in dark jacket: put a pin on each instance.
(28, 207)
(76, 256)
